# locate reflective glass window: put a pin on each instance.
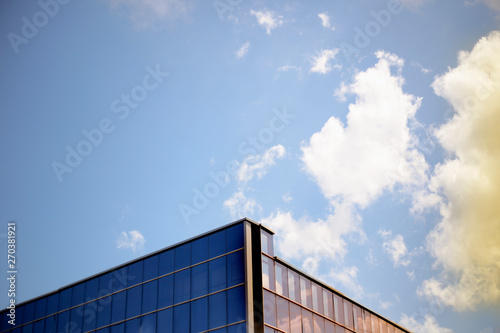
(348, 320)
(150, 268)
(199, 280)
(269, 308)
(217, 244)
(134, 301)
(105, 284)
(51, 324)
(182, 256)
(238, 328)
(293, 286)
(181, 318)
(358, 318)
(133, 326)
(76, 318)
(166, 264)
(148, 323)
(223, 330)
(38, 326)
(383, 326)
(295, 318)
(235, 237)
(29, 312)
(268, 272)
(118, 305)
(134, 273)
(120, 328)
(235, 268)
(103, 330)
(327, 303)
(375, 324)
(19, 315)
(52, 304)
(165, 320)
(199, 315)
(217, 310)
(4, 323)
(267, 243)
(340, 329)
(149, 296)
(338, 309)
(330, 327)
(91, 289)
(40, 307)
(165, 291)
(319, 324)
(119, 280)
(282, 314)
(89, 316)
(305, 292)
(78, 294)
(368, 321)
(27, 328)
(104, 315)
(63, 324)
(16, 330)
(217, 274)
(182, 286)
(307, 325)
(281, 279)
(65, 299)
(317, 298)
(390, 328)
(236, 304)
(199, 250)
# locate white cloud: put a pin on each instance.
(267, 19)
(240, 206)
(144, 13)
(258, 165)
(386, 305)
(465, 242)
(287, 197)
(243, 50)
(430, 325)
(395, 247)
(325, 20)
(376, 150)
(421, 67)
(493, 4)
(321, 63)
(287, 68)
(347, 277)
(132, 240)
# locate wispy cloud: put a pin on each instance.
(288, 68)
(242, 51)
(395, 247)
(347, 277)
(267, 19)
(258, 165)
(133, 240)
(240, 206)
(430, 325)
(421, 67)
(325, 20)
(321, 63)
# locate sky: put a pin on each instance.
(364, 133)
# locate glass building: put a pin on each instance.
(225, 281)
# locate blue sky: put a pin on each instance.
(362, 132)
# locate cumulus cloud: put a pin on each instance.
(243, 50)
(240, 206)
(144, 13)
(430, 325)
(321, 63)
(493, 4)
(133, 240)
(395, 247)
(258, 165)
(465, 242)
(325, 20)
(267, 19)
(347, 277)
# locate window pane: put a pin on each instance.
(330, 327)
(134, 298)
(358, 319)
(319, 324)
(165, 320)
(267, 243)
(307, 326)
(293, 286)
(390, 328)
(236, 305)
(103, 330)
(339, 309)
(38, 326)
(235, 269)
(199, 315)
(105, 284)
(135, 273)
(181, 318)
(283, 314)
(78, 294)
(148, 323)
(104, 315)
(281, 279)
(217, 274)
(305, 292)
(149, 296)
(199, 280)
(295, 319)
(76, 319)
(348, 314)
(182, 256)
(89, 316)
(19, 315)
(133, 326)
(234, 237)
(166, 262)
(118, 306)
(29, 312)
(165, 291)
(217, 244)
(368, 321)
(269, 308)
(239, 328)
(182, 286)
(199, 250)
(63, 321)
(383, 326)
(65, 299)
(375, 324)
(340, 329)
(268, 272)
(328, 303)
(91, 289)
(217, 310)
(51, 324)
(120, 328)
(120, 277)
(317, 298)
(52, 304)
(28, 328)
(40, 307)
(151, 268)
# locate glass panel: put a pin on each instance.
(327, 303)
(91, 289)
(390, 328)
(269, 308)
(217, 244)
(166, 262)
(358, 319)
(340, 329)
(317, 298)
(165, 320)
(224, 330)
(283, 314)
(348, 314)
(339, 309)
(103, 330)
(51, 324)
(38, 326)
(199, 315)
(40, 307)
(182, 286)
(293, 286)
(319, 324)
(63, 321)
(235, 237)
(267, 243)
(78, 294)
(151, 268)
(76, 323)
(217, 274)
(375, 324)
(305, 292)
(199, 280)
(28, 328)
(135, 273)
(120, 328)
(383, 326)
(52, 304)
(235, 268)
(118, 306)
(239, 328)
(182, 256)
(181, 318)
(368, 321)
(165, 291)
(19, 315)
(149, 296)
(120, 277)
(104, 315)
(236, 305)
(134, 304)
(133, 326)
(65, 299)
(307, 326)
(105, 284)
(199, 250)
(281, 279)
(89, 316)
(295, 319)
(268, 272)
(148, 323)
(29, 312)
(330, 327)
(217, 310)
